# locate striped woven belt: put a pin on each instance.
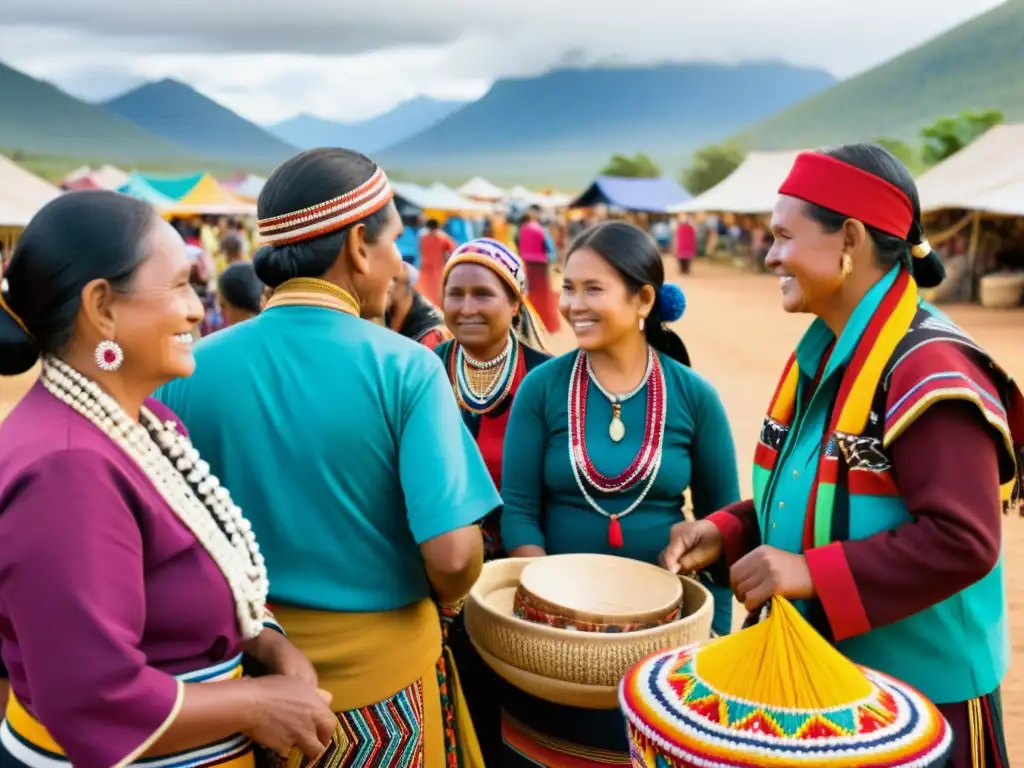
(28, 741)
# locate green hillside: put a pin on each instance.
(978, 65)
(38, 119)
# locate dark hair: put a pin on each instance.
(240, 287)
(231, 245)
(433, 224)
(307, 179)
(71, 241)
(634, 255)
(890, 250)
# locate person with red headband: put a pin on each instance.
(889, 452)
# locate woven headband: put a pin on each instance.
(328, 216)
(840, 187)
(495, 256)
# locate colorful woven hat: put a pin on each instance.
(776, 694)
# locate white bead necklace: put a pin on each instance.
(173, 465)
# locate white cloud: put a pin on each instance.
(349, 60)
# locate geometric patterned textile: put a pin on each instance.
(677, 719)
(388, 734)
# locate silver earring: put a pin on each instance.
(109, 356)
(642, 319)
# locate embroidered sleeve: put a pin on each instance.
(74, 597)
(947, 469)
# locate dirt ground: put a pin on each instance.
(739, 338)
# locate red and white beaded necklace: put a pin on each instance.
(643, 469)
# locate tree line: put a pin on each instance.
(711, 164)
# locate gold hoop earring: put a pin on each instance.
(846, 265)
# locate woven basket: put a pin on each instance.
(561, 656)
(1001, 291)
(597, 593)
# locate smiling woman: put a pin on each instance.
(124, 581)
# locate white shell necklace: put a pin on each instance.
(172, 464)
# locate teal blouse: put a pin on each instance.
(342, 443)
(543, 504)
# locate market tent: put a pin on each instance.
(1007, 200)
(79, 183)
(988, 163)
(208, 197)
(479, 188)
(247, 188)
(437, 197)
(21, 194)
(109, 177)
(139, 188)
(174, 187)
(752, 188)
(655, 195)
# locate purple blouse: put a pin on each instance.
(105, 595)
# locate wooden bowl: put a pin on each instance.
(597, 593)
(555, 659)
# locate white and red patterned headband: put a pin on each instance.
(328, 216)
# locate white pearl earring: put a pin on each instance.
(109, 356)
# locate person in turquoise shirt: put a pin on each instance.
(889, 450)
(651, 428)
(342, 442)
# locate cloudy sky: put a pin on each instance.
(351, 59)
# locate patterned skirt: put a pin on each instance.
(539, 733)
(979, 739)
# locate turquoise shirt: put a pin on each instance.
(342, 443)
(951, 652)
(543, 503)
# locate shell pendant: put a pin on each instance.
(616, 429)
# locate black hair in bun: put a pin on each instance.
(72, 240)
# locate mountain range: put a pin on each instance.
(558, 128)
(396, 125)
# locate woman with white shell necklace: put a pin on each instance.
(130, 583)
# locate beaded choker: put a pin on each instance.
(173, 466)
(643, 469)
(313, 292)
(463, 368)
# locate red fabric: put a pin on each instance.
(686, 241)
(435, 248)
(542, 297)
(837, 591)
(431, 339)
(739, 528)
(490, 438)
(532, 244)
(842, 188)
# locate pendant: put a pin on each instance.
(616, 429)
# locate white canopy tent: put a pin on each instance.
(751, 189)
(1007, 200)
(479, 188)
(991, 162)
(21, 194)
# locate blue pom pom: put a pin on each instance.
(671, 302)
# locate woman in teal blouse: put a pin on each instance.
(650, 428)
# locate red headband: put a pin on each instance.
(842, 188)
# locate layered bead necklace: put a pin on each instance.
(173, 465)
(644, 468)
(481, 386)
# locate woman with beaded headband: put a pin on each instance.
(497, 342)
(602, 444)
(322, 434)
(130, 583)
(877, 501)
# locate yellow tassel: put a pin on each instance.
(782, 662)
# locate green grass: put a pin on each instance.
(979, 65)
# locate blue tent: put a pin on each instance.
(642, 195)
